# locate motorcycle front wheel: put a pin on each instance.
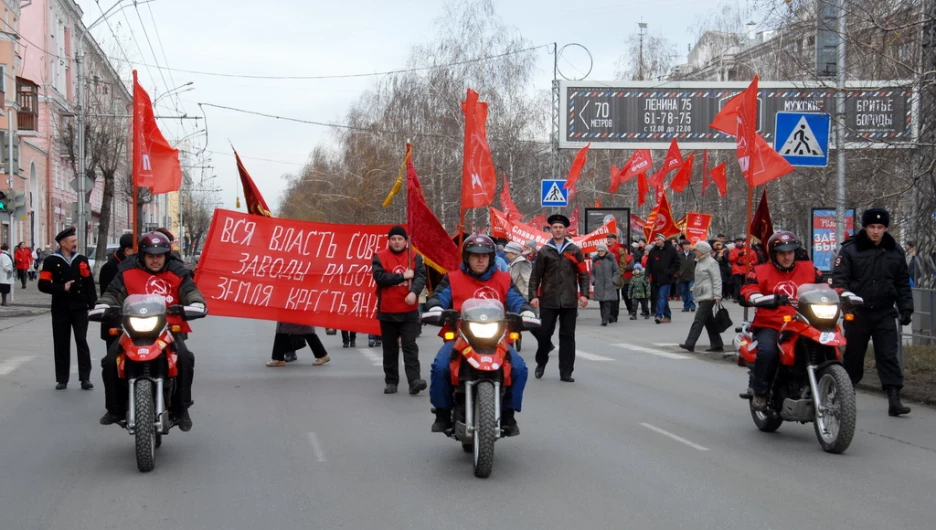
(145, 430)
(485, 429)
(764, 421)
(836, 427)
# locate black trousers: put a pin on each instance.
(768, 359)
(644, 306)
(22, 274)
(628, 303)
(348, 336)
(607, 310)
(737, 281)
(705, 319)
(654, 297)
(881, 328)
(566, 317)
(393, 335)
(283, 343)
(63, 322)
(115, 389)
(616, 306)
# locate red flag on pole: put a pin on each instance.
(747, 130)
(726, 120)
(761, 225)
(510, 209)
(672, 161)
(642, 189)
(640, 162)
(615, 178)
(597, 202)
(255, 203)
(574, 222)
(720, 179)
(479, 178)
(427, 234)
(705, 174)
(155, 163)
(576, 170)
(682, 178)
(660, 220)
(766, 163)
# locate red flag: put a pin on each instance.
(761, 224)
(766, 163)
(255, 203)
(479, 178)
(747, 130)
(672, 161)
(615, 178)
(510, 209)
(681, 180)
(637, 224)
(576, 170)
(427, 234)
(597, 202)
(720, 180)
(574, 222)
(660, 220)
(642, 189)
(705, 174)
(726, 120)
(155, 162)
(538, 222)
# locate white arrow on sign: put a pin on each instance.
(582, 111)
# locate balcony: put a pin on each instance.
(27, 97)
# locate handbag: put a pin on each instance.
(722, 318)
(329, 331)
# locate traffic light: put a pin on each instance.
(3, 202)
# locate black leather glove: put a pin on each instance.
(781, 300)
(905, 320)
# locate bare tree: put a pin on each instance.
(645, 58)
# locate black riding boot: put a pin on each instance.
(895, 407)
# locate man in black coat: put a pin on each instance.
(66, 275)
(107, 274)
(662, 267)
(871, 267)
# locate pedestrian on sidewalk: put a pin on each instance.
(558, 287)
(7, 270)
(605, 274)
(872, 266)
(707, 291)
(23, 258)
(400, 276)
(67, 277)
(291, 337)
(662, 266)
(687, 267)
(639, 292)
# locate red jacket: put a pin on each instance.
(738, 262)
(23, 258)
(767, 279)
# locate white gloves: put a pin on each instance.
(528, 314)
(852, 298)
(101, 306)
(198, 305)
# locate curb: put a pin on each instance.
(873, 388)
(23, 312)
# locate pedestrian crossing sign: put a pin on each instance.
(802, 138)
(553, 194)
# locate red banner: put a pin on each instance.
(697, 226)
(521, 233)
(316, 274)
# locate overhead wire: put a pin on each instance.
(163, 50)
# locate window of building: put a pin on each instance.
(27, 96)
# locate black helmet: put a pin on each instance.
(155, 243)
(479, 244)
(782, 241)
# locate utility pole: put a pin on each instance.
(640, 60)
(840, 131)
(82, 220)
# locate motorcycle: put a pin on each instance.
(480, 368)
(147, 362)
(810, 385)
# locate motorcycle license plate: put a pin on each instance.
(826, 337)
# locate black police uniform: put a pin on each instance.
(880, 276)
(69, 309)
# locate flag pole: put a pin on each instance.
(136, 159)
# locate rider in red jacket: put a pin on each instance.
(775, 281)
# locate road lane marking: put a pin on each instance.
(666, 344)
(372, 356)
(674, 437)
(651, 351)
(591, 356)
(316, 447)
(7, 366)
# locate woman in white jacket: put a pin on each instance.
(7, 271)
(707, 292)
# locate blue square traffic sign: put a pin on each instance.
(552, 193)
(802, 138)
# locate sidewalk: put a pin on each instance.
(28, 301)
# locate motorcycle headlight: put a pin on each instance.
(143, 324)
(484, 330)
(824, 311)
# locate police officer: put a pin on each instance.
(66, 275)
(871, 267)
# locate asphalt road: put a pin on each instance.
(647, 437)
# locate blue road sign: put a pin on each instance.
(552, 193)
(802, 138)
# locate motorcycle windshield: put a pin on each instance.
(144, 305)
(482, 310)
(816, 293)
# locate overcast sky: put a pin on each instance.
(310, 38)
